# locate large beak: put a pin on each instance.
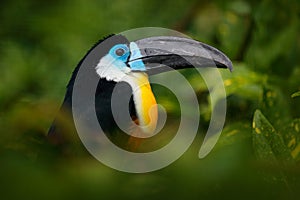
(164, 53)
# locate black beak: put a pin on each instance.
(160, 54)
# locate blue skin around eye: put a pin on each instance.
(136, 65)
(122, 58)
(119, 61)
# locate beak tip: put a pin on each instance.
(227, 64)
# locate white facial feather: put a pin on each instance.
(108, 68)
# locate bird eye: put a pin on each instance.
(120, 52)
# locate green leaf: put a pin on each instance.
(296, 94)
(292, 138)
(268, 144)
(269, 147)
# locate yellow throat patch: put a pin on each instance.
(145, 103)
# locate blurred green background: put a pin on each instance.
(258, 154)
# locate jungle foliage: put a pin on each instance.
(258, 154)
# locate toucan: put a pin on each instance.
(123, 68)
